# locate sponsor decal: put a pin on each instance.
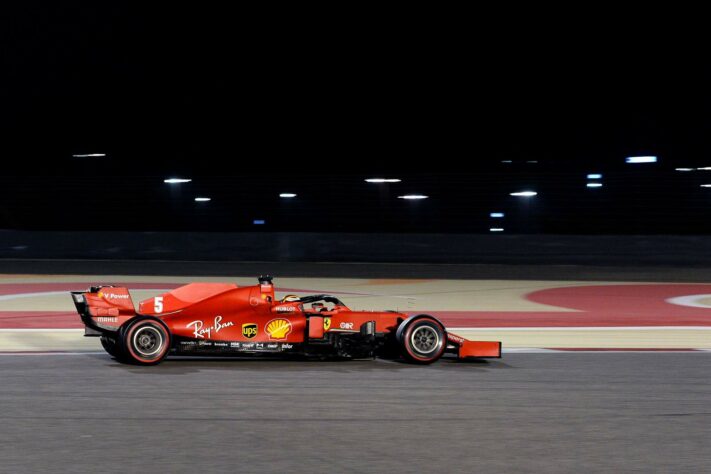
(346, 325)
(287, 346)
(249, 330)
(103, 319)
(286, 309)
(259, 346)
(187, 343)
(278, 328)
(204, 343)
(457, 339)
(326, 324)
(112, 296)
(273, 346)
(201, 332)
(234, 344)
(220, 344)
(247, 345)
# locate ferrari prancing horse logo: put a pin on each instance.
(249, 330)
(326, 323)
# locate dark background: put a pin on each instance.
(249, 105)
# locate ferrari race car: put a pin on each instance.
(222, 319)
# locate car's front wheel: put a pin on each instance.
(145, 341)
(423, 341)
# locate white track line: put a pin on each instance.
(41, 330)
(15, 296)
(38, 353)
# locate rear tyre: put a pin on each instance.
(111, 347)
(145, 342)
(423, 341)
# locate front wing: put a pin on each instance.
(466, 349)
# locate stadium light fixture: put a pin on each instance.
(706, 185)
(496, 229)
(496, 215)
(705, 168)
(594, 185)
(413, 196)
(287, 195)
(524, 194)
(383, 180)
(685, 169)
(595, 176)
(641, 159)
(202, 199)
(90, 155)
(177, 180)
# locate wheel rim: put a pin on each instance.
(425, 339)
(147, 341)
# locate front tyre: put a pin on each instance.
(145, 342)
(423, 341)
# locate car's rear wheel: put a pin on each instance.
(423, 341)
(110, 346)
(145, 342)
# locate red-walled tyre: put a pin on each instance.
(111, 347)
(145, 341)
(423, 340)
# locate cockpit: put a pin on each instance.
(318, 302)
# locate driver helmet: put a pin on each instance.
(290, 298)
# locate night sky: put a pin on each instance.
(250, 106)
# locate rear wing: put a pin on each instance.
(103, 309)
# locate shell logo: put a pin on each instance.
(278, 328)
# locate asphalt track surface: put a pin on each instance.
(555, 412)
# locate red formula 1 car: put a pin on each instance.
(224, 319)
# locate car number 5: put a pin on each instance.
(158, 304)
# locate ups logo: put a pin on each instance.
(249, 330)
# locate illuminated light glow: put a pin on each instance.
(706, 185)
(641, 159)
(496, 229)
(90, 155)
(413, 196)
(259, 222)
(496, 214)
(532, 161)
(383, 180)
(685, 169)
(507, 161)
(202, 199)
(705, 168)
(594, 176)
(177, 180)
(594, 185)
(524, 193)
(287, 195)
